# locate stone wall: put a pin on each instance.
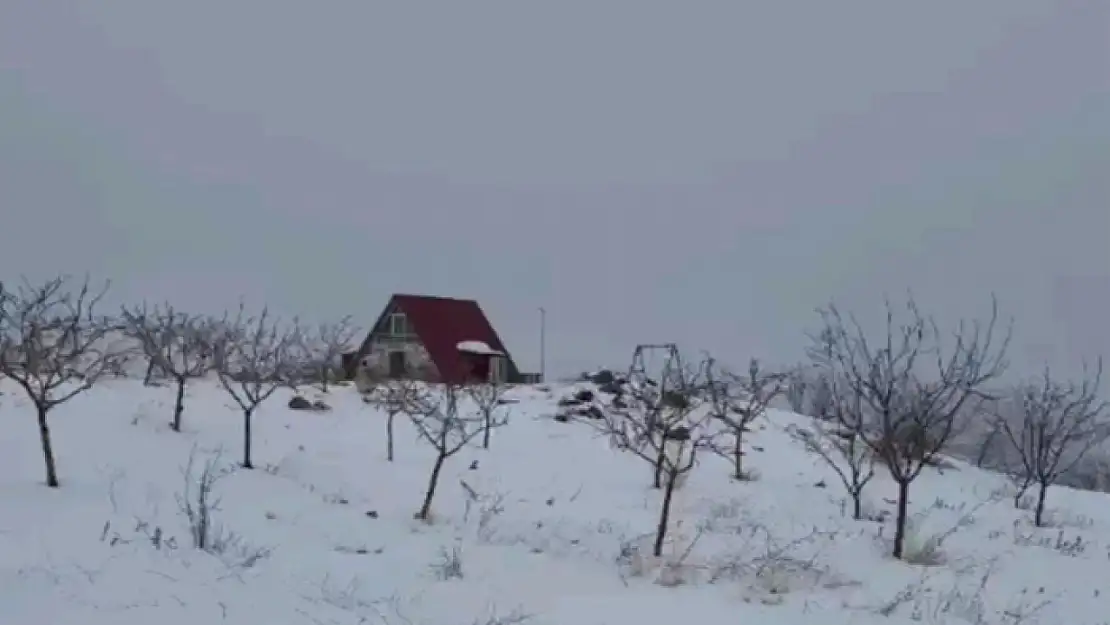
(419, 362)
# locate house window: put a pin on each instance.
(398, 324)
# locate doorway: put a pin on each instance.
(497, 370)
(398, 367)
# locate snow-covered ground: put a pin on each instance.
(322, 531)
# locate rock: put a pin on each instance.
(604, 376)
(610, 388)
(584, 395)
(562, 417)
(593, 412)
(299, 403)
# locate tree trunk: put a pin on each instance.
(247, 439)
(47, 449)
(657, 482)
(985, 448)
(664, 513)
(485, 432)
(738, 455)
(857, 503)
(1022, 489)
(1042, 496)
(149, 377)
(324, 379)
(389, 437)
(426, 507)
(901, 518)
(178, 405)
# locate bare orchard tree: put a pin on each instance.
(323, 348)
(660, 425)
(54, 346)
(138, 347)
(736, 402)
(395, 397)
(797, 388)
(987, 446)
(489, 398)
(982, 442)
(254, 360)
(1059, 423)
(821, 399)
(840, 445)
(807, 392)
(152, 372)
(448, 430)
(176, 343)
(1092, 473)
(912, 386)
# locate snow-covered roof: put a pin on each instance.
(480, 348)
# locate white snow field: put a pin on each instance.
(547, 540)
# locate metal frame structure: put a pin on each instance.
(672, 363)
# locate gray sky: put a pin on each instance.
(699, 172)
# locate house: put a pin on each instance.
(434, 339)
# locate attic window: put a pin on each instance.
(398, 324)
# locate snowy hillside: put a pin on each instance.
(548, 526)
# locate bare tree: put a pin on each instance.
(911, 388)
(54, 346)
(983, 442)
(152, 371)
(657, 424)
(821, 399)
(842, 448)
(324, 348)
(736, 402)
(394, 397)
(797, 389)
(807, 392)
(176, 343)
(1092, 473)
(489, 399)
(254, 361)
(1060, 422)
(440, 423)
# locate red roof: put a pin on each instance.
(442, 323)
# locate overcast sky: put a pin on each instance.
(646, 170)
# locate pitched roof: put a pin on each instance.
(442, 323)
